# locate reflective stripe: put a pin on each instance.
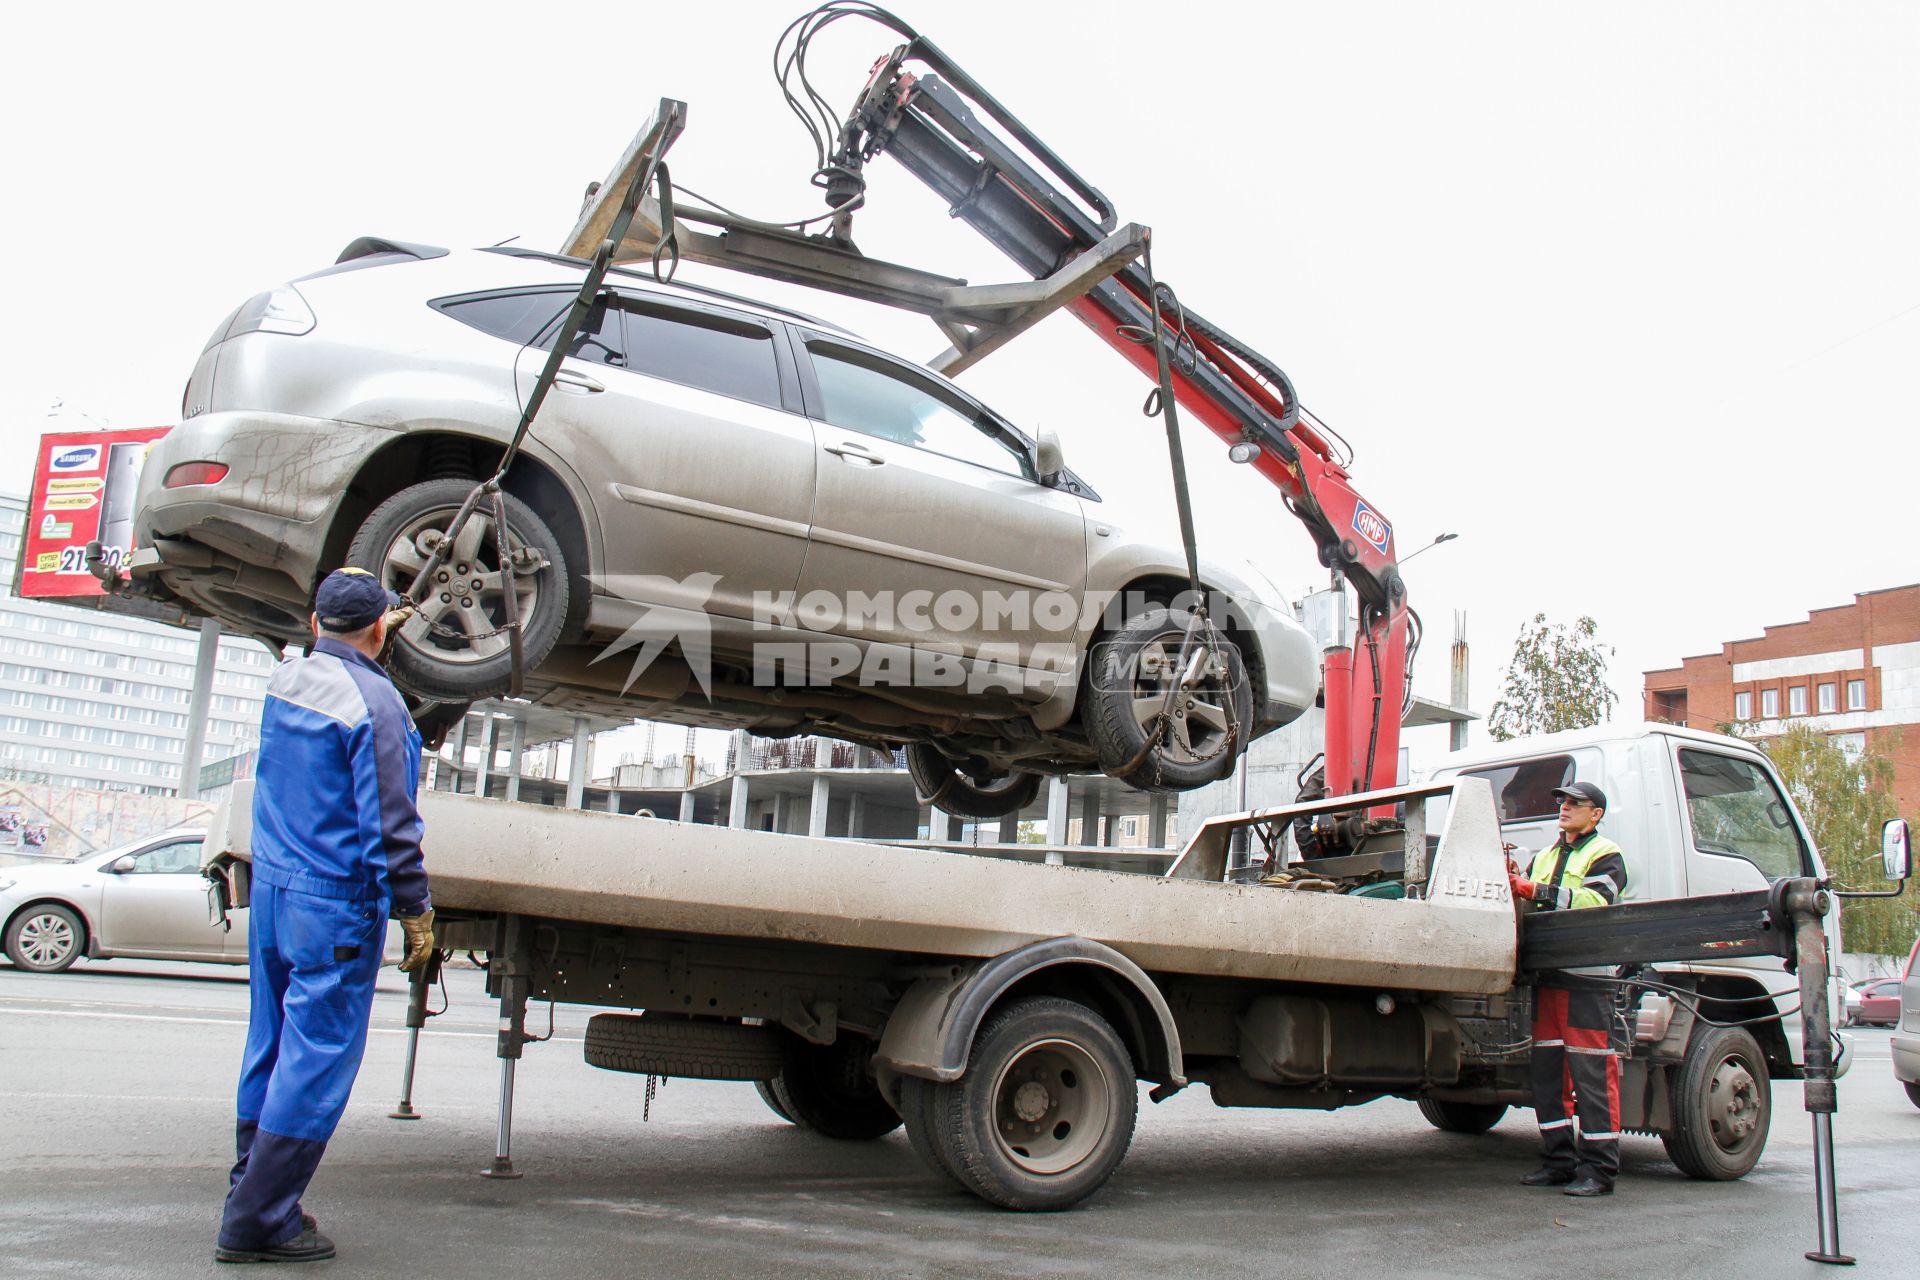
(1598, 1137)
(1548, 1044)
(1598, 1053)
(1556, 1124)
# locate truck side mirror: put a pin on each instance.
(1896, 849)
(1048, 460)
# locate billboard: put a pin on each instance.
(83, 489)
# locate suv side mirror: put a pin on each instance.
(1896, 849)
(1047, 458)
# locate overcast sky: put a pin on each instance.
(1626, 295)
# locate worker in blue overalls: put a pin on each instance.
(336, 850)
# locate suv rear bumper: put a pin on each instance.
(1906, 1058)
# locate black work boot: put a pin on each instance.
(1587, 1185)
(308, 1246)
(1547, 1176)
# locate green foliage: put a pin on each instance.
(1557, 680)
(1844, 801)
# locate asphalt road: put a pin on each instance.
(116, 1129)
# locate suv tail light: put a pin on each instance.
(186, 473)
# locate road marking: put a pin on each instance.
(236, 1022)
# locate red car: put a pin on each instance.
(1879, 1003)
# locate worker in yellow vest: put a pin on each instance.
(1575, 1071)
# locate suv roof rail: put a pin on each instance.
(523, 251)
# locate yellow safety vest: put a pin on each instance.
(1549, 872)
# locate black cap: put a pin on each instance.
(350, 599)
(1583, 791)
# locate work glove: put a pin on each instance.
(397, 618)
(1521, 886)
(419, 931)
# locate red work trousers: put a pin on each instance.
(1576, 1077)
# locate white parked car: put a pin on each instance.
(146, 899)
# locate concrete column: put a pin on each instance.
(855, 812)
(613, 793)
(686, 806)
(939, 827)
(1457, 681)
(1057, 796)
(483, 776)
(1090, 817)
(201, 700)
(1010, 829)
(1108, 826)
(737, 804)
(459, 755)
(579, 764)
(516, 747)
(742, 751)
(817, 809)
(822, 753)
(1157, 821)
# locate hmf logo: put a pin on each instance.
(1368, 524)
(82, 458)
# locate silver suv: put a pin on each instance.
(726, 514)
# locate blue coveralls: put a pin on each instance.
(336, 849)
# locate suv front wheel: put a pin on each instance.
(455, 647)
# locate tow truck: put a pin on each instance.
(1001, 1010)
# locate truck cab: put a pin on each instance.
(1696, 814)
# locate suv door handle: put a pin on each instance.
(855, 453)
(575, 381)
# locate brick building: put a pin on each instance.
(1853, 670)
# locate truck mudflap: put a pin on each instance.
(931, 1031)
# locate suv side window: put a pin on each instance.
(728, 356)
(520, 318)
(1736, 811)
(1524, 791)
(869, 395)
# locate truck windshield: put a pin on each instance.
(1737, 811)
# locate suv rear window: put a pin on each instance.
(517, 317)
(698, 349)
(1524, 791)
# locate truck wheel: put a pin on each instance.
(1913, 1092)
(46, 938)
(1129, 676)
(770, 1093)
(447, 651)
(657, 1045)
(1722, 1104)
(829, 1088)
(1045, 1111)
(916, 1108)
(1462, 1117)
(970, 795)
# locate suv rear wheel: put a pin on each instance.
(985, 794)
(453, 649)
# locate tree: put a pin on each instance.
(1844, 800)
(1557, 680)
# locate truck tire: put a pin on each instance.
(1913, 1092)
(829, 1088)
(942, 782)
(46, 938)
(916, 1109)
(655, 1045)
(1212, 723)
(1722, 1105)
(774, 1096)
(1045, 1111)
(433, 656)
(1462, 1117)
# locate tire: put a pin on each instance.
(990, 795)
(1913, 1091)
(771, 1093)
(46, 938)
(916, 1109)
(1462, 1117)
(1722, 1106)
(1129, 672)
(434, 656)
(830, 1090)
(1045, 1111)
(651, 1044)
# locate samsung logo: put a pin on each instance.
(75, 459)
